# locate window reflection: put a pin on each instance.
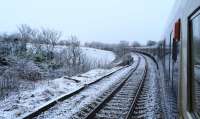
(196, 64)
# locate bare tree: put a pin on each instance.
(61, 42)
(38, 41)
(27, 34)
(75, 50)
(50, 38)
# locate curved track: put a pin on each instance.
(133, 96)
(116, 103)
(147, 104)
(65, 97)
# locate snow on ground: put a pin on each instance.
(93, 54)
(67, 108)
(26, 101)
(152, 104)
(99, 55)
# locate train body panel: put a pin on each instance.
(179, 53)
(183, 12)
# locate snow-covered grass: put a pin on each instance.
(92, 54)
(98, 55)
(26, 101)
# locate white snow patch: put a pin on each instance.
(45, 91)
(92, 54)
(99, 55)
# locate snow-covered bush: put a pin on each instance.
(39, 57)
(8, 80)
(54, 65)
(4, 49)
(28, 70)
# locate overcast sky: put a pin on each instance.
(107, 21)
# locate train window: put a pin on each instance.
(195, 52)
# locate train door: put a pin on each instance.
(167, 66)
(174, 61)
(194, 63)
(175, 64)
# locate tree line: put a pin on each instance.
(40, 54)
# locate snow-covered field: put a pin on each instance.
(99, 55)
(92, 54)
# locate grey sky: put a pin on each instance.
(90, 20)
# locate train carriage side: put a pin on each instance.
(182, 57)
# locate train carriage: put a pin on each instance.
(182, 56)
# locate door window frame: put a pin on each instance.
(190, 69)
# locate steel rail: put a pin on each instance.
(91, 114)
(52, 103)
(130, 112)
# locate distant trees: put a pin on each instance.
(99, 45)
(119, 49)
(151, 43)
(123, 44)
(135, 44)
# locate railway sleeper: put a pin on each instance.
(140, 108)
(139, 113)
(111, 114)
(116, 108)
(121, 101)
(130, 97)
(117, 105)
(102, 116)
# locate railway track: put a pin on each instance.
(46, 107)
(147, 103)
(116, 103)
